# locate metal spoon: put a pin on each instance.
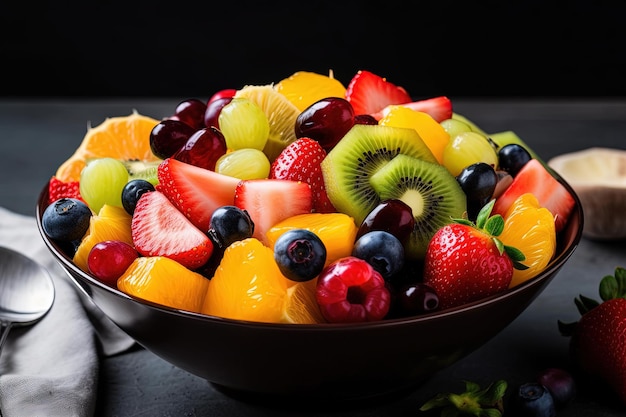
(26, 291)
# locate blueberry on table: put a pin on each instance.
(533, 400)
(300, 254)
(66, 220)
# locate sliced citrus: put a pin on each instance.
(304, 88)
(431, 132)
(124, 137)
(164, 281)
(247, 284)
(531, 229)
(280, 112)
(336, 230)
(110, 223)
(301, 305)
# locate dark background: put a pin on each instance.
(184, 49)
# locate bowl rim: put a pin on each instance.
(547, 274)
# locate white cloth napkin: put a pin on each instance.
(50, 369)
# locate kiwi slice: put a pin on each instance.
(142, 170)
(364, 150)
(429, 189)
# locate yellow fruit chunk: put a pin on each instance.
(301, 305)
(431, 132)
(111, 223)
(529, 228)
(123, 137)
(304, 88)
(247, 284)
(336, 230)
(164, 281)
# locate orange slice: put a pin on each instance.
(124, 137)
(531, 229)
(164, 281)
(431, 132)
(304, 88)
(111, 223)
(301, 305)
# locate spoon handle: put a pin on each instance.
(5, 326)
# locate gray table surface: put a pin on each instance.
(38, 135)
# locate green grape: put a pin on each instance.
(244, 124)
(102, 181)
(467, 148)
(454, 127)
(245, 164)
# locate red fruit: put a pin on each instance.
(191, 111)
(203, 148)
(224, 93)
(109, 259)
(159, 229)
(195, 191)
(369, 93)
(351, 290)
(269, 201)
(535, 178)
(61, 189)
(301, 161)
(465, 262)
(439, 108)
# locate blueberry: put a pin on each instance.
(66, 220)
(382, 250)
(512, 157)
(533, 400)
(300, 254)
(478, 181)
(132, 191)
(229, 224)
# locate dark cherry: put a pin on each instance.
(365, 119)
(226, 92)
(168, 136)
(512, 157)
(416, 298)
(478, 181)
(393, 216)
(191, 111)
(213, 110)
(203, 148)
(325, 121)
(560, 383)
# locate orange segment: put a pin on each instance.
(111, 223)
(301, 305)
(431, 132)
(247, 284)
(530, 228)
(336, 230)
(164, 281)
(123, 137)
(304, 88)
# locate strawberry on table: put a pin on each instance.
(158, 228)
(301, 161)
(62, 189)
(465, 262)
(535, 178)
(269, 201)
(196, 192)
(370, 93)
(598, 339)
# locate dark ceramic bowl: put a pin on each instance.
(324, 362)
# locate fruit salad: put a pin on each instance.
(306, 201)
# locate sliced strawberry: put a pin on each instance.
(439, 108)
(301, 161)
(369, 93)
(158, 228)
(61, 189)
(195, 191)
(536, 179)
(269, 201)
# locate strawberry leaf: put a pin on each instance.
(474, 401)
(613, 286)
(494, 225)
(484, 214)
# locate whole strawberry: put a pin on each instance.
(598, 339)
(300, 161)
(466, 261)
